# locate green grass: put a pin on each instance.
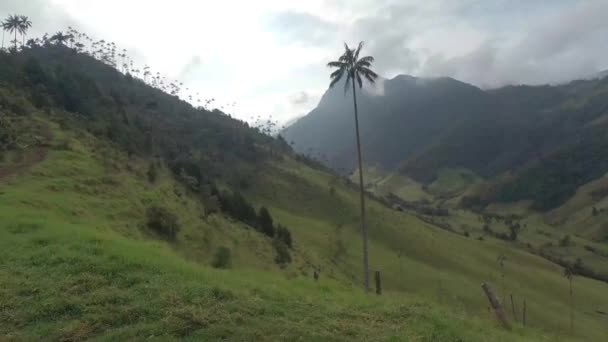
(76, 262)
(434, 263)
(65, 282)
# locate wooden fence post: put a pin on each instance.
(378, 287)
(513, 308)
(495, 303)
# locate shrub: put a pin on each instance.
(514, 231)
(211, 205)
(222, 258)
(152, 173)
(236, 206)
(163, 222)
(265, 222)
(565, 241)
(282, 258)
(284, 235)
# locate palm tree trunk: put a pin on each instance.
(15, 41)
(2, 48)
(361, 187)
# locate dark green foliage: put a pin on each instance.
(284, 235)
(141, 119)
(235, 205)
(152, 174)
(7, 133)
(163, 222)
(514, 229)
(554, 179)
(282, 252)
(222, 258)
(265, 222)
(594, 211)
(565, 241)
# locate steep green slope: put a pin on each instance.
(76, 263)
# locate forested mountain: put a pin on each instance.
(398, 117)
(421, 126)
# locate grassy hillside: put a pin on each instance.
(77, 263)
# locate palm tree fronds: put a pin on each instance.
(356, 54)
(336, 76)
(336, 64)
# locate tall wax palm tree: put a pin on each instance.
(352, 67)
(4, 25)
(13, 24)
(24, 25)
(60, 38)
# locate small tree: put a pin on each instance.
(282, 257)
(222, 258)
(594, 211)
(514, 229)
(265, 223)
(163, 222)
(284, 235)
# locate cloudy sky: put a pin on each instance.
(268, 56)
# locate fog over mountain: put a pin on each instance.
(485, 43)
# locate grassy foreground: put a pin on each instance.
(75, 263)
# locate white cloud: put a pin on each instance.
(262, 53)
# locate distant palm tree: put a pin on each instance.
(350, 65)
(24, 25)
(4, 25)
(13, 24)
(60, 38)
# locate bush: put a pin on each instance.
(284, 235)
(163, 222)
(222, 258)
(514, 231)
(282, 258)
(565, 241)
(152, 173)
(236, 206)
(265, 222)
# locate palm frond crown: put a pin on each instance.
(354, 68)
